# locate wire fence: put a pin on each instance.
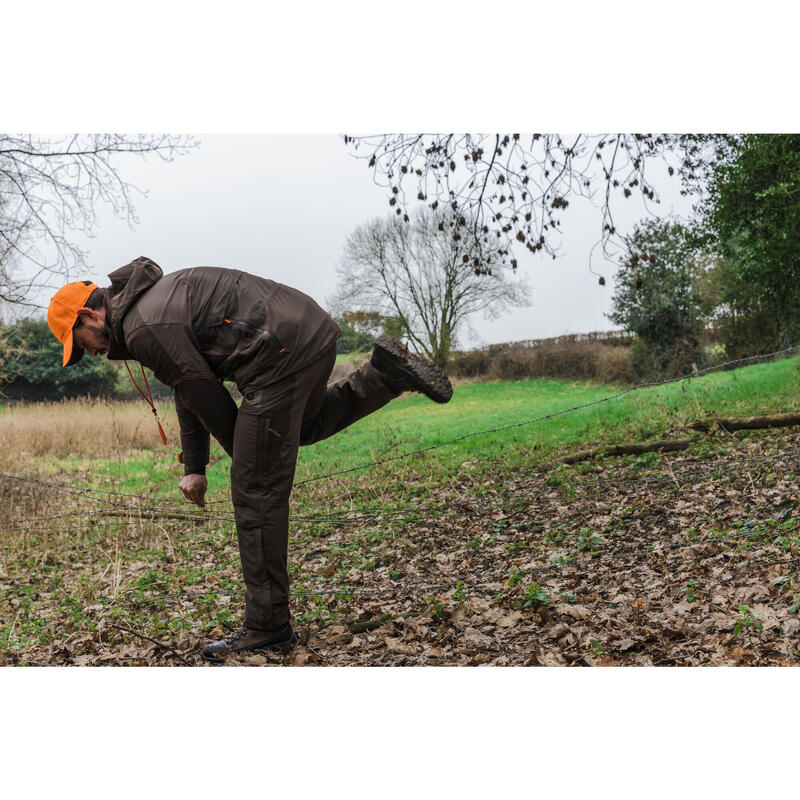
(464, 507)
(89, 491)
(130, 509)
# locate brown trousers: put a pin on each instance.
(272, 422)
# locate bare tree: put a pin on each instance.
(426, 274)
(50, 189)
(513, 188)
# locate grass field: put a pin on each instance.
(97, 562)
(119, 446)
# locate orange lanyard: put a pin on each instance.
(149, 398)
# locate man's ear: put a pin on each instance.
(87, 312)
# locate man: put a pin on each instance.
(197, 327)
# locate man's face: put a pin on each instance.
(90, 332)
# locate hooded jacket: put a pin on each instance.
(197, 327)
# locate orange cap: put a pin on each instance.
(63, 313)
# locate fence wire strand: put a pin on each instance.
(464, 507)
(142, 509)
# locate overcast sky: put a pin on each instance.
(281, 206)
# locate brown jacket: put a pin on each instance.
(198, 327)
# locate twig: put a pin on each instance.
(154, 641)
(672, 475)
(316, 653)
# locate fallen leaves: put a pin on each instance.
(645, 562)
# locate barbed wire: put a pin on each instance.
(82, 491)
(583, 566)
(415, 513)
(143, 508)
(509, 513)
(545, 417)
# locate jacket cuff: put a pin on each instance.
(190, 470)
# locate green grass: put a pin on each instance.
(413, 422)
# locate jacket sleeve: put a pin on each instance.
(195, 440)
(203, 404)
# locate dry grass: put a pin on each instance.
(83, 427)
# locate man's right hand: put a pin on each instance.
(194, 489)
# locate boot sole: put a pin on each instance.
(280, 647)
(424, 376)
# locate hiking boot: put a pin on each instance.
(243, 639)
(403, 371)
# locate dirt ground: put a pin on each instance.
(674, 559)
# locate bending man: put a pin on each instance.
(195, 328)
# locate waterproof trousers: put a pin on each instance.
(272, 422)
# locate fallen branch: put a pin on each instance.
(629, 449)
(746, 423)
(154, 641)
(704, 425)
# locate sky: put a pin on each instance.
(281, 206)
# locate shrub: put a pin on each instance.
(470, 364)
(657, 298)
(573, 358)
(34, 371)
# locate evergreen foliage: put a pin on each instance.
(656, 298)
(33, 368)
(752, 218)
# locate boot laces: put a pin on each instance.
(235, 636)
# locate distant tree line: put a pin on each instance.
(30, 369)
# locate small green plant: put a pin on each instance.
(436, 609)
(588, 540)
(553, 537)
(513, 576)
(569, 597)
(795, 606)
(597, 648)
(459, 594)
(746, 621)
(535, 597)
(691, 590)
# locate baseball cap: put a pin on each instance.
(63, 313)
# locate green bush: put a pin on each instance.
(31, 359)
(34, 371)
(656, 297)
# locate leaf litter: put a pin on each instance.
(665, 559)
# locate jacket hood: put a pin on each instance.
(128, 284)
